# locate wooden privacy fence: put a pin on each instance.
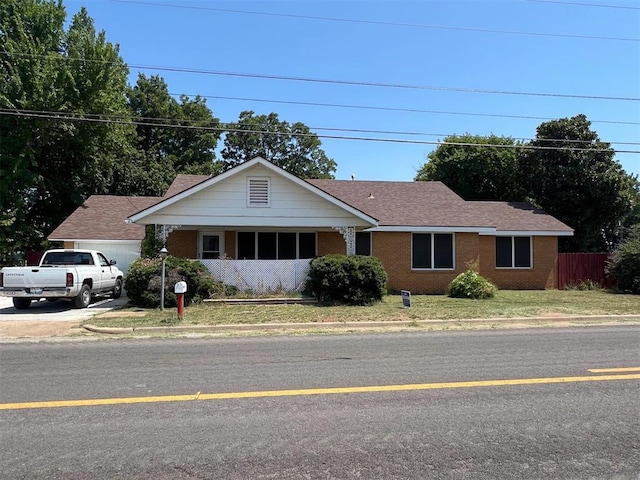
(574, 268)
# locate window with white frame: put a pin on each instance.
(258, 192)
(431, 251)
(513, 252)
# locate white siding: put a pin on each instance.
(225, 204)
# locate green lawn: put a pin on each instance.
(506, 304)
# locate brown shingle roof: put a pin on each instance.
(401, 204)
(520, 216)
(102, 217)
(433, 204)
(420, 204)
(183, 182)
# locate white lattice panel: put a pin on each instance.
(260, 275)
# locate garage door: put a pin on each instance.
(123, 252)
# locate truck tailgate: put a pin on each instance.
(29, 277)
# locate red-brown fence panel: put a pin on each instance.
(574, 268)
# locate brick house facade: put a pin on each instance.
(423, 232)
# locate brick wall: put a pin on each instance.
(394, 250)
(331, 242)
(183, 243)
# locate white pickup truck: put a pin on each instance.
(71, 274)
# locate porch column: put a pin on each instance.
(349, 234)
(163, 231)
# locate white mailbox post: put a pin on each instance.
(180, 289)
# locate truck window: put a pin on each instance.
(85, 259)
(103, 260)
(67, 258)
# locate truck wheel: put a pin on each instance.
(21, 303)
(117, 289)
(84, 297)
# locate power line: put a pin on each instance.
(377, 85)
(231, 126)
(377, 22)
(391, 109)
(71, 117)
(580, 4)
(343, 82)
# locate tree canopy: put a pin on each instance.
(476, 172)
(71, 126)
(292, 147)
(171, 137)
(579, 182)
(566, 170)
(51, 161)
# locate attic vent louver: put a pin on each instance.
(258, 192)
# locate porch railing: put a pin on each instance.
(261, 276)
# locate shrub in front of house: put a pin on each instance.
(144, 283)
(354, 279)
(471, 284)
(624, 265)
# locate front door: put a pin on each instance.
(211, 245)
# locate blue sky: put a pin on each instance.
(435, 45)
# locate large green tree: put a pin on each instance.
(171, 137)
(292, 147)
(51, 161)
(573, 175)
(476, 167)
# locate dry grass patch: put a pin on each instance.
(506, 304)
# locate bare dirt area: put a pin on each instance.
(37, 329)
(45, 319)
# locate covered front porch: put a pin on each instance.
(258, 260)
(255, 213)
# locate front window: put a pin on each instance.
(430, 251)
(276, 245)
(210, 246)
(513, 252)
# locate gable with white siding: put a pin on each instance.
(255, 194)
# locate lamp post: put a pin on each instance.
(163, 255)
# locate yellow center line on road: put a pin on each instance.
(614, 370)
(313, 391)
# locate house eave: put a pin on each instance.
(531, 233)
(432, 229)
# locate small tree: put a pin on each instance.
(624, 265)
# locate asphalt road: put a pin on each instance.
(416, 420)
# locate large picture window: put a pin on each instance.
(432, 251)
(276, 245)
(513, 252)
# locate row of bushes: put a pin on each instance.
(144, 282)
(351, 280)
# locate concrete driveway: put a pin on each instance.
(50, 319)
